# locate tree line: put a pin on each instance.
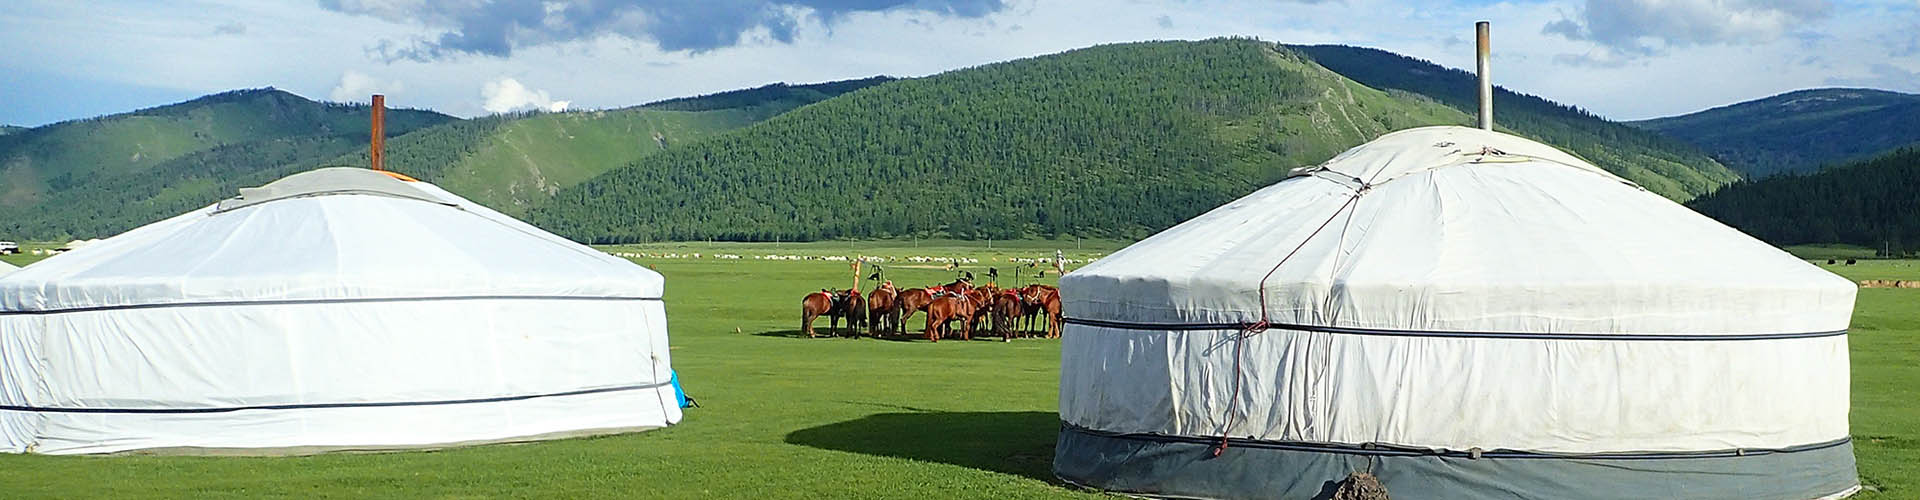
(1872, 203)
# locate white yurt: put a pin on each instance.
(339, 308)
(1460, 314)
(7, 268)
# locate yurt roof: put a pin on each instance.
(330, 181)
(1423, 149)
(327, 234)
(1459, 229)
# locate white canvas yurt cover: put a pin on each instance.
(1462, 314)
(334, 309)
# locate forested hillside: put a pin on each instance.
(111, 204)
(1116, 140)
(247, 138)
(516, 162)
(1799, 131)
(1873, 203)
(64, 156)
(1663, 165)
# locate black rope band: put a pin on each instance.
(312, 406)
(312, 301)
(1176, 327)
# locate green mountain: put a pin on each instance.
(1116, 140)
(1873, 203)
(515, 162)
(1671, 168)
(1799, 131)
(37, 162)
(109, 205)
(11, 129)
(505, 161)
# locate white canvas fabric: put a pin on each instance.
(336, 319)
(7, 268)
(1450, 288)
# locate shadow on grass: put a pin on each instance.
(822, 334)
(1019, 443)
(821, 331)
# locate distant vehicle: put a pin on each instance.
(8, 247)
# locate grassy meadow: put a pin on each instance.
(784, 416)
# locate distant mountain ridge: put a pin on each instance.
(37, 162)
(1799, 131)
(767, 94)
(1666, 166)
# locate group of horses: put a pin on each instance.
(1032, 310)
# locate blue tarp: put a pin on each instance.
(673, 377)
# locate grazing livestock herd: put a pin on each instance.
(1032, 310)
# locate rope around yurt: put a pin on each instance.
(1233, 397)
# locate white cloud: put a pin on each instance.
(1881, 76)
(500, 28)
(355, 86)
(507, 94)
(1651, 26)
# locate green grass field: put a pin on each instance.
(789, 417)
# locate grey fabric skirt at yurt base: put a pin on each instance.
(1184, 467)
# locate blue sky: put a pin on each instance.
(1624, 59)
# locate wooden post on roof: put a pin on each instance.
(378, 153)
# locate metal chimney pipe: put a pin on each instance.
(378, 153)
(1484, 58)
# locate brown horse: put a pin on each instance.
(1008, 308)
(982, 299)
(949, 308)
(833, 305)
(852, 306)
(883, 312)
(1041, 303)
(1029, 309)
(813, 306)
(957, 286)
(913, 300)
(1045, 300)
